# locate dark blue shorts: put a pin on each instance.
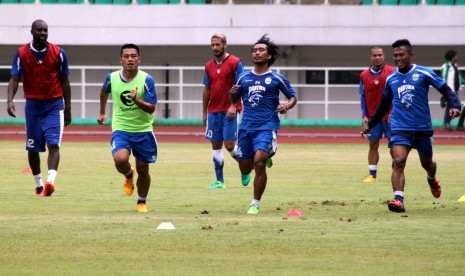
(251, 141)
(220, 128)
(422, 141)
(142, 145)
(379, 129)
(44, 123)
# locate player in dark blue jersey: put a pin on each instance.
(259, 90)
(411, 127)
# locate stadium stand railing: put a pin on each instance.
(326, 95)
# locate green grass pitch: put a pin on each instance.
(89, 227)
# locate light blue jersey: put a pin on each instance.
(260, 97)
(409, 93)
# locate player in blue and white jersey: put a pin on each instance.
(411, 127)
(259, 90)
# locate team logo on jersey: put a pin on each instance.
(415, 77)
(268, 80)
(218, 70)
(254, 94)
(125, 98)
(376, 81)
(405, 93)
(407, 100)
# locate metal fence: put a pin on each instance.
(324, 93)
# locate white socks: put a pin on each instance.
(38, 180)
(52, 175)
(255, 203)
(234, 153)
(218, 156)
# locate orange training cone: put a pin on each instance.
(27, 170)
(294, 213)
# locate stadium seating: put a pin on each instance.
(409, 2)
(108, 2)
(17, 1)
(145, 2)
(388, 2)
(61, 1)
(440, 2)
(460, 2)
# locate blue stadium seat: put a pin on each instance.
(154, 2)
(460, 2)
(61, 1)
(17, 1)
(409, 2)
(110, 2)
(445, 2)
(99, 2)
(366, 2)
(442, 2)
(389, 2)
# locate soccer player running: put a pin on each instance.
(259, 90)
(372, 81)
(134, 99)
(219, 115)
(411, 126)
(43, 68)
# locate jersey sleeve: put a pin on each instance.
(286, 88)
(64, 70)
(239, 70)
(150, 92)
(434, 79)
(107, 84)
(387, 90)
(206, 79)
(363, 104)
(238, 82)
(16, 69)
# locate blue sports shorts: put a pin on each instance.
(44, 123)
(143, 145)
(251, 141)
(379, 129)
(422, 141)
(220, 128)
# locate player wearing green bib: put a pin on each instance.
(134, 99)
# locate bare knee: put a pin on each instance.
(399, 163)
(260, 166)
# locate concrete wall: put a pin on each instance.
(193, 24)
